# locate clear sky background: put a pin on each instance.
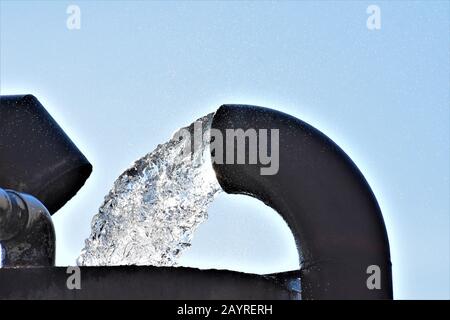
(137, 71)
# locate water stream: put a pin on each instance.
(151, 213)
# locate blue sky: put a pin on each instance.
(137, 71)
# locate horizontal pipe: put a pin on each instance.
(138, 282)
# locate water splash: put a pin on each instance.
(149, 216)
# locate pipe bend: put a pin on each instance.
(27, 235)
(322, 196)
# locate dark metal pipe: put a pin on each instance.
(27, 235)
(323, 197)
(36, 156)
(139, 282)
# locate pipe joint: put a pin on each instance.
(27, 235)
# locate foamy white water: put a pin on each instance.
(151, 213)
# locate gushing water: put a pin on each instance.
(149, 216)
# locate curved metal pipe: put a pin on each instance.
(323, 197)
(27, 235)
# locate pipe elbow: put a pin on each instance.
(27, 235)
(320, 193)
